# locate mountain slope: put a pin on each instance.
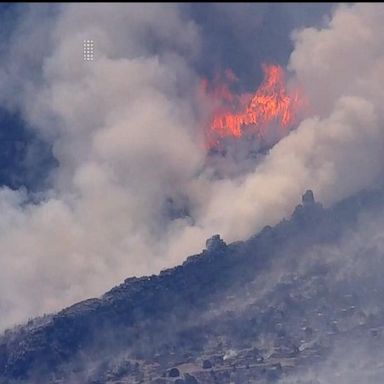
(234, 313)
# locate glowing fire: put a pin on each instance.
(252, 113)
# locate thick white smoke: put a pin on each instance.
(123, 132)
(125, 129)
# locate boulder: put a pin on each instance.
(173, 372)
(308, 198)
(189, 379)
(214, 242)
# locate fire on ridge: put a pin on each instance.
(238, 115)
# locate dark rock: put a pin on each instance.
(214, 243)
(308, 197)
(309, 212)
(207, 364)
(189, 379)
(179, 381)
(174, 372)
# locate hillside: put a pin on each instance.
(245, 312)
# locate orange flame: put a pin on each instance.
(270, 103)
